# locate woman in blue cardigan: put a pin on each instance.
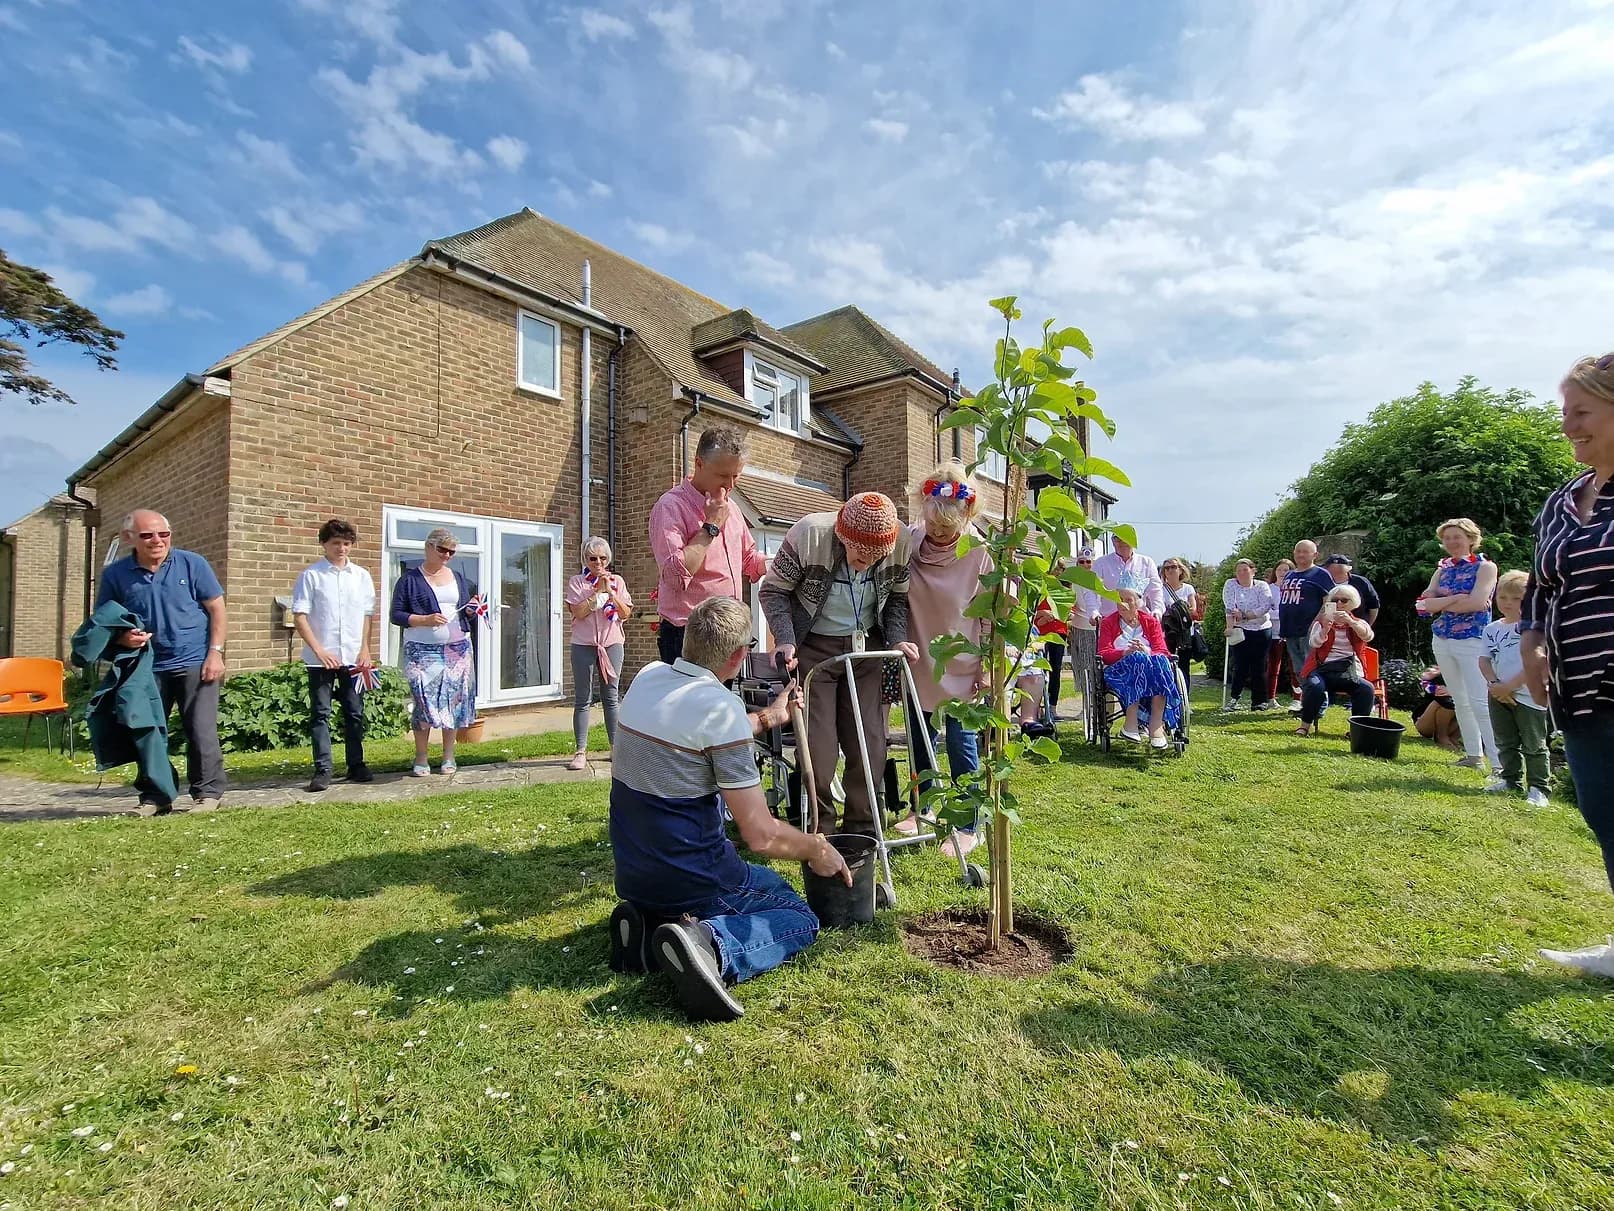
(431, 602)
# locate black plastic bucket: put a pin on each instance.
(1375, 737)
(836, 905)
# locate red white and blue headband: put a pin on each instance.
(946, 489)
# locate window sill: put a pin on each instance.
(539, 392)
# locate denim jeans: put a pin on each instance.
(759, 925)
(963, 751)
(1589, 745)
(322, 683)
(1335, 678)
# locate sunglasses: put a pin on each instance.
(599, 559)
(1605, 362)
(1086, 563)
(148, 535)
(446, 552)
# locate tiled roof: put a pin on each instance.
(308, 317)
(742, 325)
(858, 349)
(781, 503)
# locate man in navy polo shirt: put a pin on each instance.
(1300, 600)
(180, 605)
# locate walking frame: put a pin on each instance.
(917, 732)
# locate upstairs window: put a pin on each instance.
(780, 395)
(995, 467)
(538, 355)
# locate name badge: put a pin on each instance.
(860, 641)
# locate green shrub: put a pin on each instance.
(269, 709)
(1403, 683)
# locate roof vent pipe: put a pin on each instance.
(585, 423)
(588, 284)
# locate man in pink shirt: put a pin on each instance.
(703, 547)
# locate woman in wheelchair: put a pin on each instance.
(1138, 667)
(1338, 639)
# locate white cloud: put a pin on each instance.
(756, 138)
(376, 20)
(507, 151)
(889, 129)
(15, 223)
(265, 157)
(239, 244)
(597, 25)
(705, 65)
(75, 283)
(146, 301)
(507, 49)
(1102, 105)
(139, 222)
(599, 189)
(222, 55)
(835, 52)
(659, 237)
(766, 269)
(307, 225)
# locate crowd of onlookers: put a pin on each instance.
(1515, 654)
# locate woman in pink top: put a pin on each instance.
(940, 585)
(599, 604)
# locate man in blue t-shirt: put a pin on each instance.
(180, 605)
(1300, 600)
(682, 738)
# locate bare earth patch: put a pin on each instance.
(958, 939)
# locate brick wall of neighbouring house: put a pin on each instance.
(48, 587)
(403, 396)
(181, 469)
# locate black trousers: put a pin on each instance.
(1249, 661)
(322, 683)
(198, 703)
(1054, 650)
(670, 642)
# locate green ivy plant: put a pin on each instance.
(1031, 416)
(269, 709)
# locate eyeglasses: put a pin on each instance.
(1086, 563)
(599, 559)
(752, 645)
(148, 535)
(446, 552)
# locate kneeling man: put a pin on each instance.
(682, 738)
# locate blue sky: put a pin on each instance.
(1268, 217)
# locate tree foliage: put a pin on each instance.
(33, 309)
(1034, 393)
(1415, 462)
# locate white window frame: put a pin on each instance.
(753, 363)
(487, 530)
(996, 466)
(522, 317)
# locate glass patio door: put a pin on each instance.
(525, 592)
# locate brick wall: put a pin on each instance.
(181, 469)
(48, 581)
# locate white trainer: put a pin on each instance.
(1593, 960)
(1537, 797)
(1497, 786)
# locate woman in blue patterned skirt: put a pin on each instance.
(432, 602)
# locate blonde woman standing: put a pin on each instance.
(1459, 600)
(599, 604)
(940, 585)
(432, 602)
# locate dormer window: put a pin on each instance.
(779, 394)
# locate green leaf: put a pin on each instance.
(1100, 468)
(960, 417)
(1092, 412)
(1047, 748)
(1059, 395)
(1058, 501)
(1072, 338)
(1005, 307)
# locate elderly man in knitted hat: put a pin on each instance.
(840, 584)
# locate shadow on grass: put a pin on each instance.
(1383, 1049)
(492, 888)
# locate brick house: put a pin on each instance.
(527, 387)
(42, 579)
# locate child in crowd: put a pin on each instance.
(1520, 723)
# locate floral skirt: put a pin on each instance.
(442, 681)
(1139, 677)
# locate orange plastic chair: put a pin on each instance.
(32, 685)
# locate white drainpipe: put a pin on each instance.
(584, 375)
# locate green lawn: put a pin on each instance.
(1296, 975)
(394, 753)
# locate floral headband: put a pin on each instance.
(946, 489)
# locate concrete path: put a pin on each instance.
(31, 799)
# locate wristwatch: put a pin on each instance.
(217, 647)
(711, 530)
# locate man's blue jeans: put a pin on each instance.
(963, 751)
(759, 925)
(1589, 745)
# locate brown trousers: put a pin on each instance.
(832, 731)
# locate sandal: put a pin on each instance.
(1305, 729)
(421, 771)
(448, 769)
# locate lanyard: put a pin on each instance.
(857, 598)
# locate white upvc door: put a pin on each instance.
(517, 565)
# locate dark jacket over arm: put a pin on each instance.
(126, 718)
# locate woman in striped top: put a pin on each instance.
(1568, 617)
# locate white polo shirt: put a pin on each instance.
(338, 602)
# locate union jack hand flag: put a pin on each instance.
(603, 584)
(366, 677)
(479, 606)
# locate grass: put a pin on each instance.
(1296, 975)
(389, 754)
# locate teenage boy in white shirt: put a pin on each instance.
(333, 605)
